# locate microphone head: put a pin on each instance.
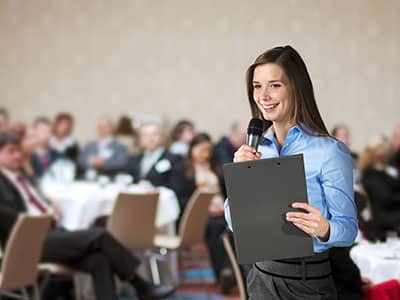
(255, 127)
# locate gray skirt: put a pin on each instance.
(292, 279)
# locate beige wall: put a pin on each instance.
(188, 58)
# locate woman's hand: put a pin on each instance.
(312, 222)
(246, 153)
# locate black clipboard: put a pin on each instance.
(260, 193)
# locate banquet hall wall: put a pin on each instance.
(188, 59)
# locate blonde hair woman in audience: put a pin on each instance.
(381, 183)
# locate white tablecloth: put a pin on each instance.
(378, 261)
(82, 202)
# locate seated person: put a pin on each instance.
(201, 173)
(106, 155)
(181, 136)
(4, 120)
(155, 164)
(226, 147)
(342, 133)
(62, 142)
(381, 183)
(395, 159)
(94, 250)
(43, 156)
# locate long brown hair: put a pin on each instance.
(189, 164)
(305, 107)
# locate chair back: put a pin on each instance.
(194, 219)
(236, 270)
(132, 221)
(23, 251)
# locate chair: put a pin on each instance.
(22, 254)
(132, 224)
(193, 224)
(132, 220)
(60, 270)
(131, 211)
(236, 270)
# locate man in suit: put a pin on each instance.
(155, 164)
(43, 157)
(106, 155)
(93, 251)
(227, 145)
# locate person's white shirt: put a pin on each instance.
(61, 145)
(31, 209)
(104, 151)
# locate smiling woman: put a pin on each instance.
(280, 93)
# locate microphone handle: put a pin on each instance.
(253, 140)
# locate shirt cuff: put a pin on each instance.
(333, 231)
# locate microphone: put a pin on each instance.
(254, 132)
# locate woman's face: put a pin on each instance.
(201, 153)
(343, 135)
(63, 128)
(187, 134)
(272, 94)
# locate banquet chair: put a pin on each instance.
(49, 269)
(192, 226)
(19, 267)
(132, 223)
(236, 270)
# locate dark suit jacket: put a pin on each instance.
(223, 152)
(71, 152)
(59, 246)
(172, 178)
(383, 191)
(37, 166)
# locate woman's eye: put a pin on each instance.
(275, 85)
(257, 86)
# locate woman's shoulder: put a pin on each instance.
(330, 145)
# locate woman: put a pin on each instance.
(181, 136)
(61, 141)
(201, 173)
(280, 93)
(382, 185)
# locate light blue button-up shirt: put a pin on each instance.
(329, 178)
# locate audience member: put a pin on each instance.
(4, 120)
(395, 160)
(93, 251)
(61, 141)
(225, 149)
(227, 145)
(181, 136)
(106, 155)
(201, 173)
(155, 164)
(342, 133)
(126, 134)
(42, 157)
(381, 183)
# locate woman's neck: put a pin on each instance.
(281, 131)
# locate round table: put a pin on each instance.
(378, 261)
(82, 201)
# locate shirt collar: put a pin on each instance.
(156, 153)
(10, 174)
(269, 135)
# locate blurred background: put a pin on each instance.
(187, 59)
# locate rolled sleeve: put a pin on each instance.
(337, 185)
